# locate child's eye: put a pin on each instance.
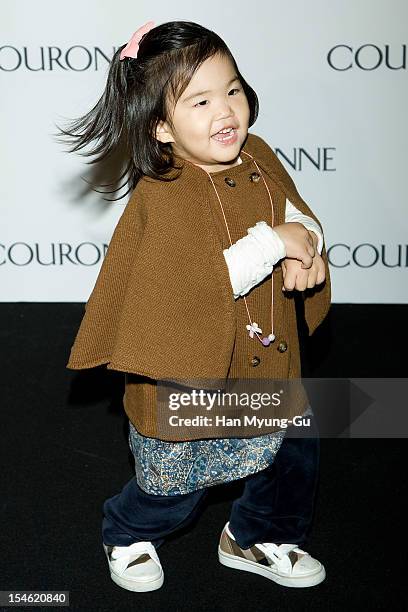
(201, 103)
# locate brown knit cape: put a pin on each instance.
(162, 305)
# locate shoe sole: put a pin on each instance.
(139, 587)
(253, 567)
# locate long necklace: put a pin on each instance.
(253, 327)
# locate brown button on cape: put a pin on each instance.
(163, 306)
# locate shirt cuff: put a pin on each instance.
(293, 214)
(251, 258)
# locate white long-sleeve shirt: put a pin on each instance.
(251, 258)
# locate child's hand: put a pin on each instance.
(297, 278)
(298, 241)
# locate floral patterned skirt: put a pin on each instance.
(174, 468)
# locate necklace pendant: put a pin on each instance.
(253, 328)
(267, 340)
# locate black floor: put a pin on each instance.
(65, 451)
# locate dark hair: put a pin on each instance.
(140, 92)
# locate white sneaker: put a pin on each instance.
(285, 564)
(136, 567)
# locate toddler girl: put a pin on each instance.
(194, 293)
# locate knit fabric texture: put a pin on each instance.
(162, 307)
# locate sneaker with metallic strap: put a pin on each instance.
(285, 564)
(136, 567)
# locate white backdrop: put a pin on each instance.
(341, 67)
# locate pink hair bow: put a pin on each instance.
(132, 47)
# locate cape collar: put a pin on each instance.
(259, 151)
(244, 164)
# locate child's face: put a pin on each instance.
(197, 119)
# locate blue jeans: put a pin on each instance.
(276, 504)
